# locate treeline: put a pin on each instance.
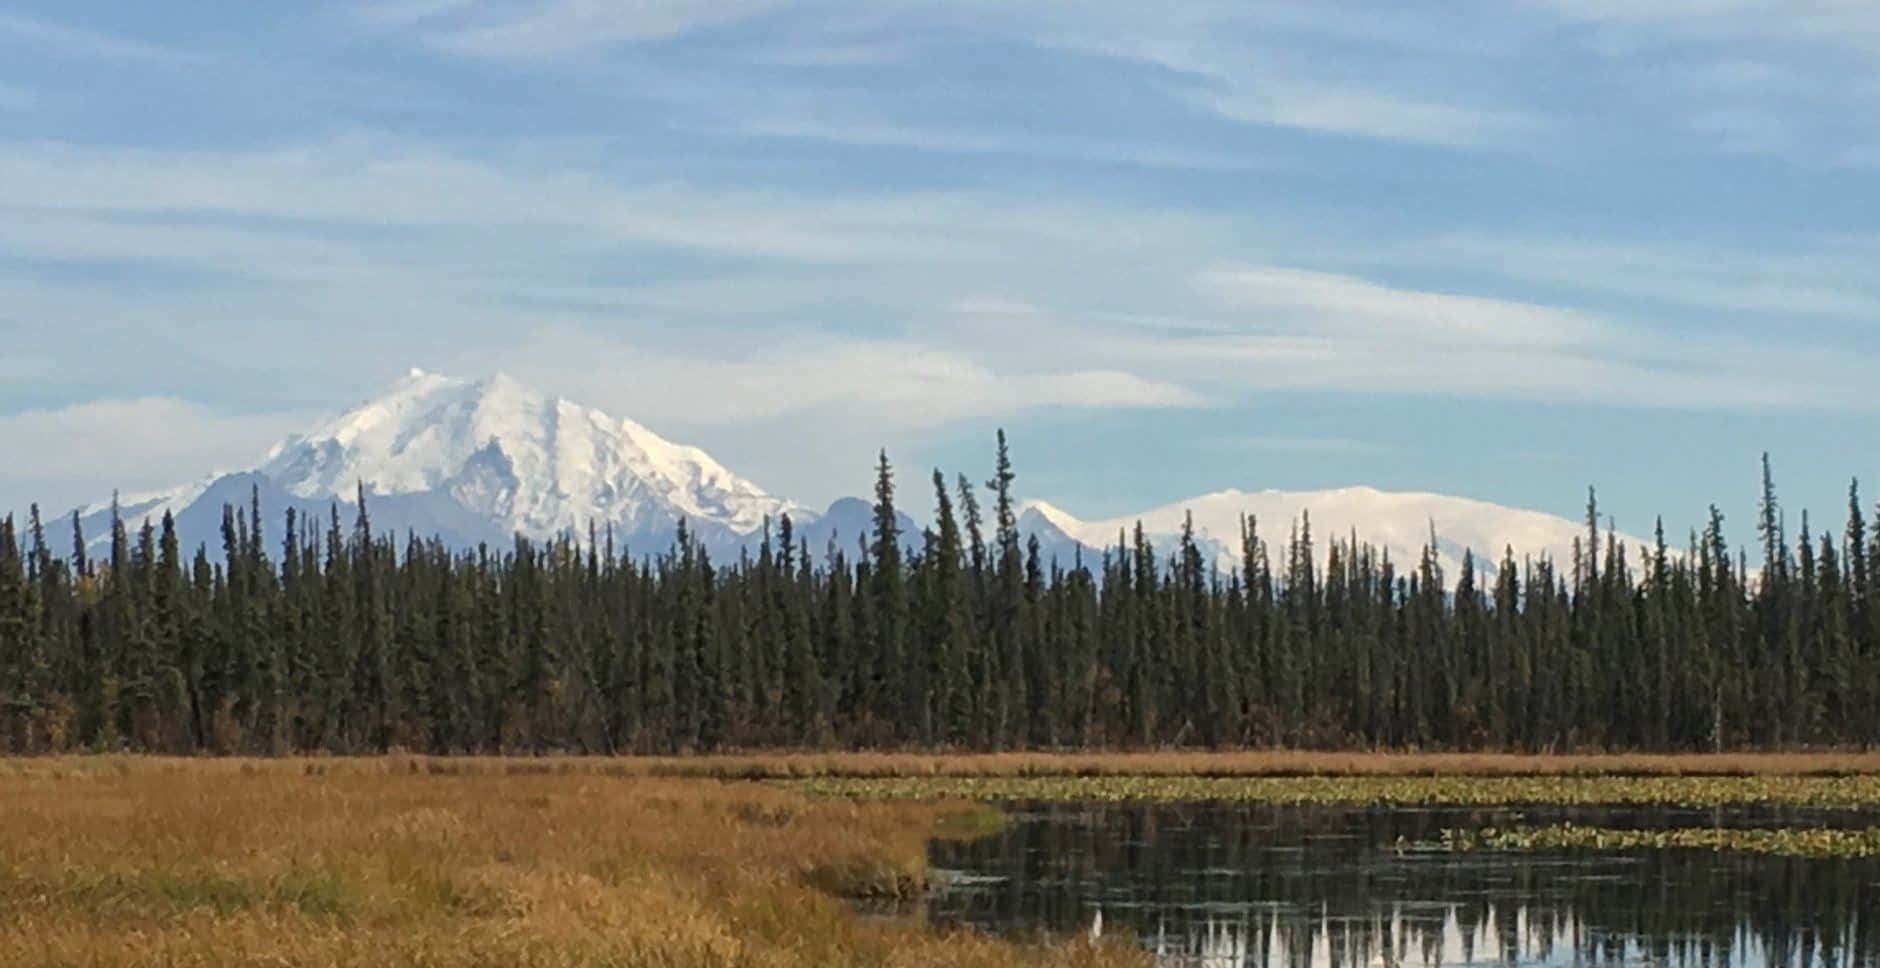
(332, 637)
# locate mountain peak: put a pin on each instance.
(1056, 516)
(534, 463)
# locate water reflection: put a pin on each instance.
(1222, 885)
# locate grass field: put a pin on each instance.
(110, 861)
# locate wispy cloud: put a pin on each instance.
(338, 239)
(1790, 80)
(1850, 22)
(1371, 114)
(1288, 329)
(1819, 278)
(1082, 313)
(1793, 80)
(1326, 302)
(370, 183)
(46, 36)
(535, 28)
(1238, 63)
(402, 13)
(966, 140)
(887, 386)
(1243, 63)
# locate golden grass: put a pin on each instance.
(124, 861)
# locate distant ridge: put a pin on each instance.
(1400, 523)
(481, 461)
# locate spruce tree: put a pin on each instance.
(1007, 608)
(898, 686)
(802, 674)
(949, 625)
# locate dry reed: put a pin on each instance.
(122, 861)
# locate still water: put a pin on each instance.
(1217, 885)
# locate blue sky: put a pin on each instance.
(1503, 249)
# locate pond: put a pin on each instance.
(1214, 885)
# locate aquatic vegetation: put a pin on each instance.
(1787, 842)
(1684, 791)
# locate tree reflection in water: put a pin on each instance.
(1219, 885)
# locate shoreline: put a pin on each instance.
(786, 765)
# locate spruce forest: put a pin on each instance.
(324, 635)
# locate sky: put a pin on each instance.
(1500, 249)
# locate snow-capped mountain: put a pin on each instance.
(482, 460)
(532, 463)
(1398, 522)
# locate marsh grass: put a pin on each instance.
(1782, 841)
(126, 862)
(1857, 791)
